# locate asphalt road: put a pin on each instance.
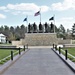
(39, 61)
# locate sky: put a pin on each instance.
(13, 12)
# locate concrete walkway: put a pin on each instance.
(39, 61)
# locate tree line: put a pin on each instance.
(18, 32)
(13, 33)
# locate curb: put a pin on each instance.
(4, 67)
(69, 63)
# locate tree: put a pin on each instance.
(17, 33)
(22, 31)
(62, 29)
(68, 34)
(11, 37)
(61, 32)
(12, 29)
(73, 31)
(1, 29)
(12, 34)
(17, 29)
(6, 32)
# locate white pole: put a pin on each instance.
(54, 23)
(27, 23)
(40, 15)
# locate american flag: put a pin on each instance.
(37, 13)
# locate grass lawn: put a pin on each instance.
(4, 53)
(71, 51)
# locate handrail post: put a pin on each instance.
(53, 45)
(19, 51)
(27, 46)
(66, 54)
(24, 47)
(11, 55)
(59, 50)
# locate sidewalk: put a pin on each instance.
(36, 46)
(39, 61)
(40, 46)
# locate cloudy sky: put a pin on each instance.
(13, 12)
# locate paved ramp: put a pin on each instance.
(39, 61)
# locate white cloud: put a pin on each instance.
(29, 13)
(67, 22)
(67, 18)
(65, 5)
(6, 10)
(23, 6)
(2, 16)
(44, 8)
(26, 7)
(2, 8)
(16, 12)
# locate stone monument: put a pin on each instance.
(40, 38)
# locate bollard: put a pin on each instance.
(66, 54)
(59, 50)
(53, 45)
(19, 51)
(11, 55)
(27, 46)
(24, 47)
(63, 46)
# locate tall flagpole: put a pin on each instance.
(40, 15)
(27, 22)
(27, 19)
(54, 23)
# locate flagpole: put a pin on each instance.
(27, 23)
(40, 15)
(54, 23)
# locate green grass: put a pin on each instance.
(4, 53)
(71, 51)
